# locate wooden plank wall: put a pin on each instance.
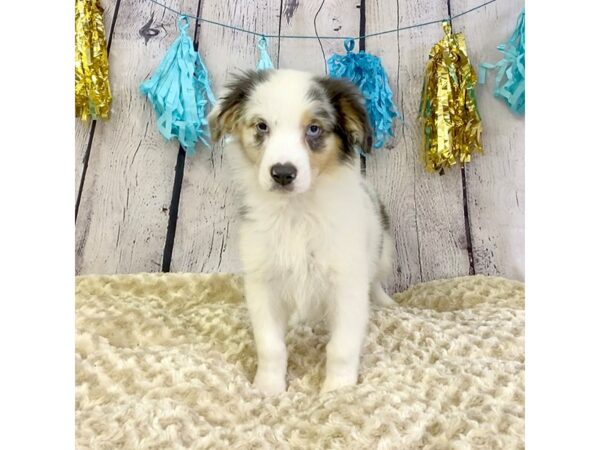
(496, 182)
(143, 205)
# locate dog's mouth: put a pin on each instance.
(288, 188)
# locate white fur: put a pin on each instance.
(309, 254)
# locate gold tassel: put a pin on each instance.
(451, 121)
(92, 88)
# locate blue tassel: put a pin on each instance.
(365, 71)
(179, 91)
(264, 63)
(510, 76)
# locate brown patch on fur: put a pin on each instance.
(225, 117)
(352, 122)
(328, 156)
(356, 123)
(223, 123)
(323, 150)
(251, 142)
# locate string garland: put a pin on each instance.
(300, 36)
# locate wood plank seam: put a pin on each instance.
(177, 183)
(93, 128)
(317, 35)
(85, 166)
(416, 219)
(463, 177)
(362, 46)
(467, 221)
(173, 211)
(279, 33)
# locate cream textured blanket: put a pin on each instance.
(164, 361)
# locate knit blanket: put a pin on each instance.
(165, 361)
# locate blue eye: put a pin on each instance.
(262, 127)
(313, 130)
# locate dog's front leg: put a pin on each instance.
(348, 326)
(269, 325)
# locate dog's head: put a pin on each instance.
(291, 126)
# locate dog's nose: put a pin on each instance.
(283, 173)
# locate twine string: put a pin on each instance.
(298, 36)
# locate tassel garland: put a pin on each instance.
(92, 87)
(510, 70)
(264, 63)
(179, 91)
(448, 111)
(366, 72)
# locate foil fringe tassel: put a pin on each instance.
(448, 112)
(510, 70)
(366, 72)
(179, 91)
(92, 86)
(264, 63)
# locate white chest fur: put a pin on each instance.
(299, 245)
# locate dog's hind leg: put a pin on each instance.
(378, 295)
(386, 258)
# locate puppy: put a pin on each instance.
(314, 238)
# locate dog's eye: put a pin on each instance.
(313, 130)
(262, 127)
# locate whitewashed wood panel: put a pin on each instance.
(426, 209)
(124, 208)
(495, 180)
(124, 211)
(82, 129)
(206, 234)
(335, 18)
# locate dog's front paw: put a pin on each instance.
(333, 383)
(268, 383)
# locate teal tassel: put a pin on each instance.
(510, 76)
(264, 63)
(179, 91)
(366, 72)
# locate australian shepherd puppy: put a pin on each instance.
(314, 238)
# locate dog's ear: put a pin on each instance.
(220, 122)
(352, 114)
(228, 111)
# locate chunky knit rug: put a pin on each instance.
(164, 361)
